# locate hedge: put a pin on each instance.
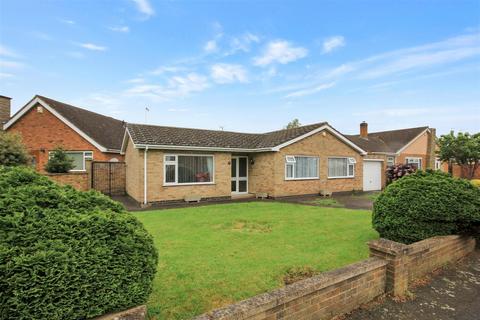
(426, 204)
(66, 254)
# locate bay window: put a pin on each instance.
(188, 169)
(340, 167)
(301, 167)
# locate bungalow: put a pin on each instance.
(46, 124)
(168, 164)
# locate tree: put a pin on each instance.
(59, 162)
(293, 124)
(12, 150)
(462, 149)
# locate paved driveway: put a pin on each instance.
(454, 294)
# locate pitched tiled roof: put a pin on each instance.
(386, 141)
(106, 131)
(173, 136)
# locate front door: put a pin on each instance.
(239, 175)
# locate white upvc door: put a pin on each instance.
(239, 174)
(372, 175)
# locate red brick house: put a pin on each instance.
(46, 124)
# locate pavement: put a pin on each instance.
(452, 293)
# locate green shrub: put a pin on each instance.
(476, 182)
(12, 151)
(426, 204)
(66, 254)
(59, 162)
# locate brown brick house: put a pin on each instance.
(166, 163)
(46, 124)
(414, 146)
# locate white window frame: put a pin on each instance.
(348, 164)
(87, 155)
(388, 161)
(176, 155)
(438, 164)
(293, 162)
(419, 162)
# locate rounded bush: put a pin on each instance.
(66, 254)
(426, 204)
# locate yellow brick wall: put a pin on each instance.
(134, 172)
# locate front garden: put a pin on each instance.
(215, 255)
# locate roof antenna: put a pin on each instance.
(221, 128)
(146, 111)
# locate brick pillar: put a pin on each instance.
(396, 254)
(431, 152)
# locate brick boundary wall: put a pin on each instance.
(78, 180)
(390, 268)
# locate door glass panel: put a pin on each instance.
(242, 167)
(234, 167)
(234, 185)
(242, 186)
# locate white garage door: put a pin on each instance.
(372, 175)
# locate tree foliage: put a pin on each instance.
(12, 150)
(295, 123)
(59, 162)
(66, 254)
(426, 204)
(462, 149)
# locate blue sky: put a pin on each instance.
(249, 65)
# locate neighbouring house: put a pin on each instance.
(169, 164)
(46, 124)
(414, 146)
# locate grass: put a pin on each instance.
(373, 195)
(214, 255)
(328, 202)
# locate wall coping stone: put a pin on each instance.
(266, 301)
(76, 173)
(389, 246)
(135, 313)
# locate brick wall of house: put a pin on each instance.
(4, 110)
(78, 180)
(134, 172)
(418, 149)
(322, 144)
(261, 173)
(42, 132)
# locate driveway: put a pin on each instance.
(453, 294)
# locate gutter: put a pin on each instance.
(192, 148)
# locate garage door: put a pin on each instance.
(372, 175)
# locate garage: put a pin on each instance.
(372, 175)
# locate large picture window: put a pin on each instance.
(301, 167)
(188, 169)
(341, 167)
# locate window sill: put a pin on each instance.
(341, 177)
(300, 179)
(188, 184)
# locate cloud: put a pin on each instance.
(333, 43)
(6, 52)
(228, 73)
(397, 112)
(167, 69)
(4, 75)
(11, 64)
(176, 87)
(210, 46)
(93, 47)
(42, 36)
(67, 21)
(242, 43)
(280, 51)
(178, 109)
(123, 29)
(309, 91)
(144, 7)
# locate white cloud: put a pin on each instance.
(309, 91)
(123, 29)
(333, 43)
(242, 43)
(280, 51)
(176, 87)
(167, 69)
(6, 52)
(144, 7)
(11, 64)
(42, 36)
(177, 109)
(67, 21)
(210, 46)
(228, 73)
(93, 47)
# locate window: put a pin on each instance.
(78, 158)
(188, 169)
(390, 161)
(438, 164)
(301, 167)
(415, 162)
(341, 167)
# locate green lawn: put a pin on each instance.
(213, 255)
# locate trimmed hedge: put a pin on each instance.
(426, 204)
(66, 254)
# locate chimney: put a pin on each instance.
(4, 110)
(364, 129)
